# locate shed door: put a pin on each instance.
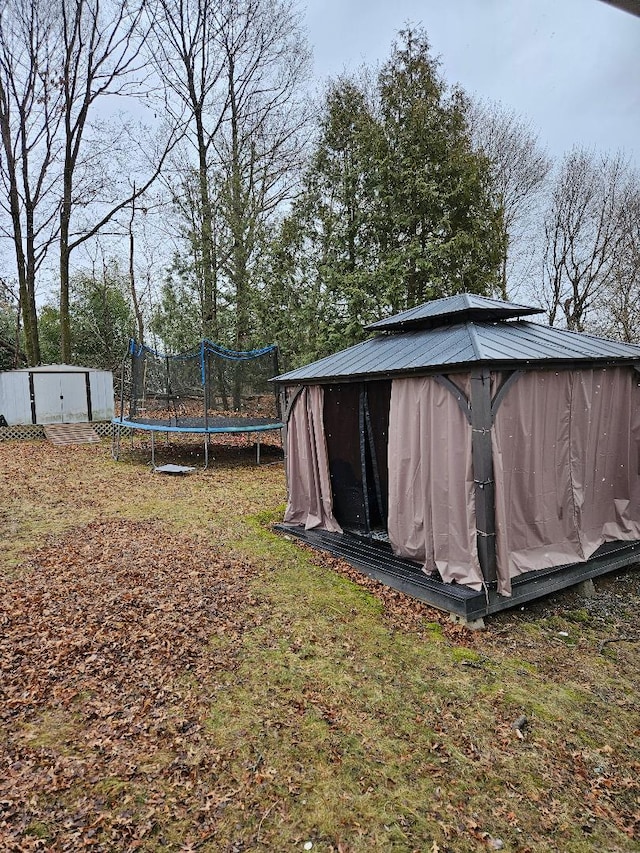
(60, 398)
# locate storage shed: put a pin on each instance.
(498, 455)
(56, 393)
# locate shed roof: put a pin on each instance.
(57, 368)
(504, 344)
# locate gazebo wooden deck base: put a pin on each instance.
(377, 561)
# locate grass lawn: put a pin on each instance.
(174, 676)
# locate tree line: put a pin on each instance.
(176, 149)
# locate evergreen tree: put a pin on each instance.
(11, 340)
(101, 316)
(397, 207)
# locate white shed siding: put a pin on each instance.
(101, 382)
(15, 400)
(60, 395)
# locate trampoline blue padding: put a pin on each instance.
(212, 426)
(199, 425)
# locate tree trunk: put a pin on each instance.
(26, 282)
(30, 261)
(18, 356)
(132, 277)
(209, 288)
(26, 302)
(65, 224)
(65, 318)
(503, 271)
(239, 272)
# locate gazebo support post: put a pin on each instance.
(482, 461)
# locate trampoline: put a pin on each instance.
(208, 391)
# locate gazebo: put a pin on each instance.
(467, 455)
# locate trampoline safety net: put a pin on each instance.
(207, 383)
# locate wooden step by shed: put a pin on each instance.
(65, 434)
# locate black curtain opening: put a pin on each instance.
(356, 420)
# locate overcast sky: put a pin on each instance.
(572, 67)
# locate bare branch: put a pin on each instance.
(583, 230)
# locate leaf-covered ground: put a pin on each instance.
(174, 676)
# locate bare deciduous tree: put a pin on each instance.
(259, 148)
(58, 60)
(519, 170)
(583, 234)
(619, 315)
(185, 49)
(234, 70)
(30, 118)
(101, 58)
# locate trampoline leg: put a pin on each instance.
(206, 453)
(153, 450)
(115, 443)
(258, 449)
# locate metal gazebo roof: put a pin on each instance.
(453, 309)
(485, 336)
